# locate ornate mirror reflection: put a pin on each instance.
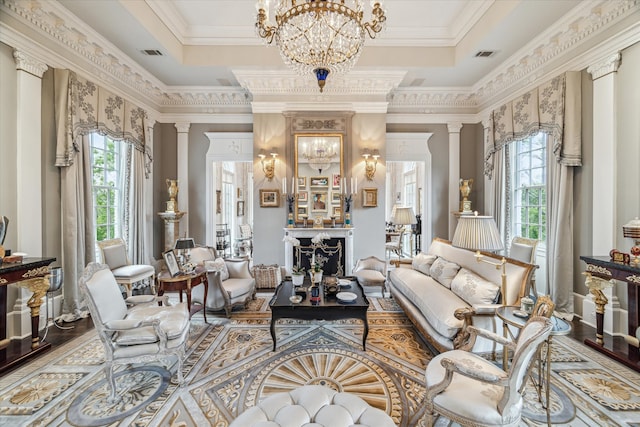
(319, 171)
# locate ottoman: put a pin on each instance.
(313, 406)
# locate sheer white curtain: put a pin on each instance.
(554, 108)
(83, 107)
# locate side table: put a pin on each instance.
(560, 327)
(184, 283)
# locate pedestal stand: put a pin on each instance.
(171, 227)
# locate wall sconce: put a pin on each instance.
(370, 163)
(268, 165)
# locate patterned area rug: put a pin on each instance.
(230, 366)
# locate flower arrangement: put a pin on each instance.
(316, 242)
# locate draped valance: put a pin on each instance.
(83, 107)
(553, 107)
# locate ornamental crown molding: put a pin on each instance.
(276, 83)
(528, 65)
(90, 54)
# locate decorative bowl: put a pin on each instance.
(295, 299)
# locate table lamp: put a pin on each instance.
(183, 246)
(403, 216)
(480, 233)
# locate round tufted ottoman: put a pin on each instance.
(313, 406)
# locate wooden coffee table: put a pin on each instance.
(184, 283)
(328, 308)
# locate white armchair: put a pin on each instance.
(371, 271)
(230, 281)
(473, 391)
(114, 254)
(141, 333)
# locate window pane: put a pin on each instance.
(524, 179)
(524, 161)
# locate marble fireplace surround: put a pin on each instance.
(345, 235)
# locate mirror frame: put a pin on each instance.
(326, 218)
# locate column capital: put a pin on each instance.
(183, 127)
(454, 127)
(604, 67)
(29, 64)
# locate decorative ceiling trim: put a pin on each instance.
(274, 83)
(576, 28)
(53, 22)
(275, 107)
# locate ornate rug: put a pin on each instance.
(230, 366)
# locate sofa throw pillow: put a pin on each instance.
(218, 265)
(422, 263)
(473, 288)
(444, 271)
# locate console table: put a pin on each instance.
(29, 274)
(605, 268)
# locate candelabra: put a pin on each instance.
(290, 198)
(347, 198)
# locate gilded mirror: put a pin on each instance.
(319, 174)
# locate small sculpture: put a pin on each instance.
(172, 188)
(465, 190)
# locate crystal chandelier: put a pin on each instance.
(319, 36)
(320, 154)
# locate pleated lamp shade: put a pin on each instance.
(478, 233)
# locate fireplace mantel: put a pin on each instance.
(338, 233)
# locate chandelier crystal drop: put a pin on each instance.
(319, 36)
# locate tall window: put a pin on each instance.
(529, 188)
(106, 163)
(528, 184)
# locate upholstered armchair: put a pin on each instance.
(142, 332)
(114, 254)
(229, 280)
(473, 391)
(371, 271)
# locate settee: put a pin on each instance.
(230, 281)
(445, 289)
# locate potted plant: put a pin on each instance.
(297, 275)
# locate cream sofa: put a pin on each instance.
(446, 288)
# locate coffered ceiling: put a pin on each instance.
(207, 55)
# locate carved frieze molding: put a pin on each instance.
(633, 279)
(597, 269)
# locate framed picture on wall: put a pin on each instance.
(240, 208)
(302, 210)
(240, 193)
(336, 212)
(319, 181)
(303, 196)
(335, 198)
(269, 198)
(302, 181)
(335, 181)
(319, 201)
(218, 201)
(369, 197)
